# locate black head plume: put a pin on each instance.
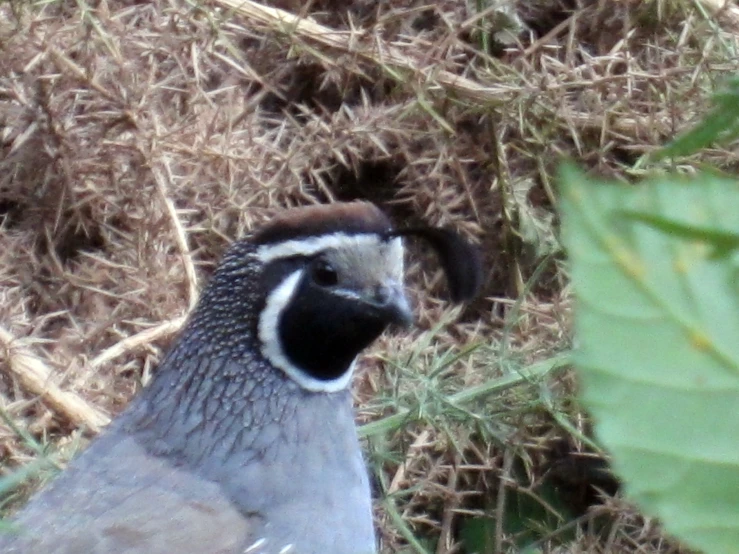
(460, 260)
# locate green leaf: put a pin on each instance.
(721, 125)
(724, 241)
(478, 535)
(657, 323)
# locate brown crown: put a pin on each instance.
(351, 218)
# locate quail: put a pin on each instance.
(244, 441)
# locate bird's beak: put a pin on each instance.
(393, 302)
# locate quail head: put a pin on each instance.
(244, 441)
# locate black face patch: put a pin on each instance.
(322, 332)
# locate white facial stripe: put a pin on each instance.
(272, 349)
(314, 245)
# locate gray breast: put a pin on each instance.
(118, 498)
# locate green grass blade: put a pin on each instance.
(721, 125)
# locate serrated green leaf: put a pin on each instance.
(658, 327)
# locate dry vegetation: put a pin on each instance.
(139, 138)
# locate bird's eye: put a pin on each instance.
(323, 274)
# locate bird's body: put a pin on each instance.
(244, 441)
(117, 497)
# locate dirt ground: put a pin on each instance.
(138, 139)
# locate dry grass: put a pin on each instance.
(138, 139)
